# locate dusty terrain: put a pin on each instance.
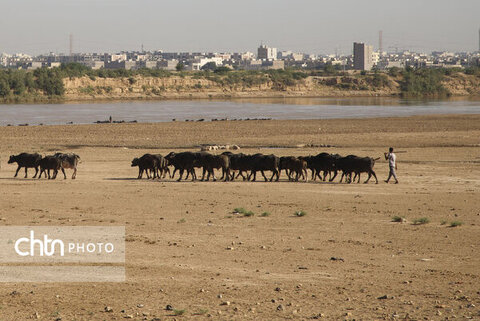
(185, 248)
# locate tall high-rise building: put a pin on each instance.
(266, 53)
(362, 56)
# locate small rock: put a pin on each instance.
(336, 259)
(278, 289)
(280, 307)
(220, 296)
(108, 309)
(169, 307)
(129, 316)
(225, 303)
(383, 297)
(139, 305)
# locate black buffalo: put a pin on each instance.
(297, 165)
(262, 163)
(48, 163)
(354, 164)
(147, 163)
(182, 162)
(25, 160)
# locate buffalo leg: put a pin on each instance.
(36, 172)
(64, 175)
(16, 173)
(25, 172)
(74, 175)
(181, 174)
(368, 178)
(374, 175)
(334, 175)
(264, 177)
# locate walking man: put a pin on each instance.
(392, 163)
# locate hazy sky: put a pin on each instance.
(311, 26)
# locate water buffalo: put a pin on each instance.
(184, 161)
(146, 163)
(162, 166)
(293, 164)
(241, 163)
(68, 161)
(325, 163)
(354, 164)
(211, 162)
(263, 163)
(48, 163)
(26, 160)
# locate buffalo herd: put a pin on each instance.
(247, 166)
(232, 166)
(56, 162)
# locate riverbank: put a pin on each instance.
(76, 83)
(191, 87)
(346, 258)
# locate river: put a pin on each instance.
(279, 108)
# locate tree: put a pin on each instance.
(4, 88)
(209, 66)
(180, 66)
(221, 70)
(329, 69)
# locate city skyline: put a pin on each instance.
(39, 27)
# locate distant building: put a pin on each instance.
(167, 64)
(127, 65)
(362, 56)
(197, 64)
(266, 53)
(264, 64)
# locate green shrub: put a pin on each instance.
(300, 213)
(397, 219)
(456, 223)
(422, 220)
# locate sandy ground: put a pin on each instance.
(185, 248)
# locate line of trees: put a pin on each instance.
(20, 83)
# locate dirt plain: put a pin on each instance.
(186, 249)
